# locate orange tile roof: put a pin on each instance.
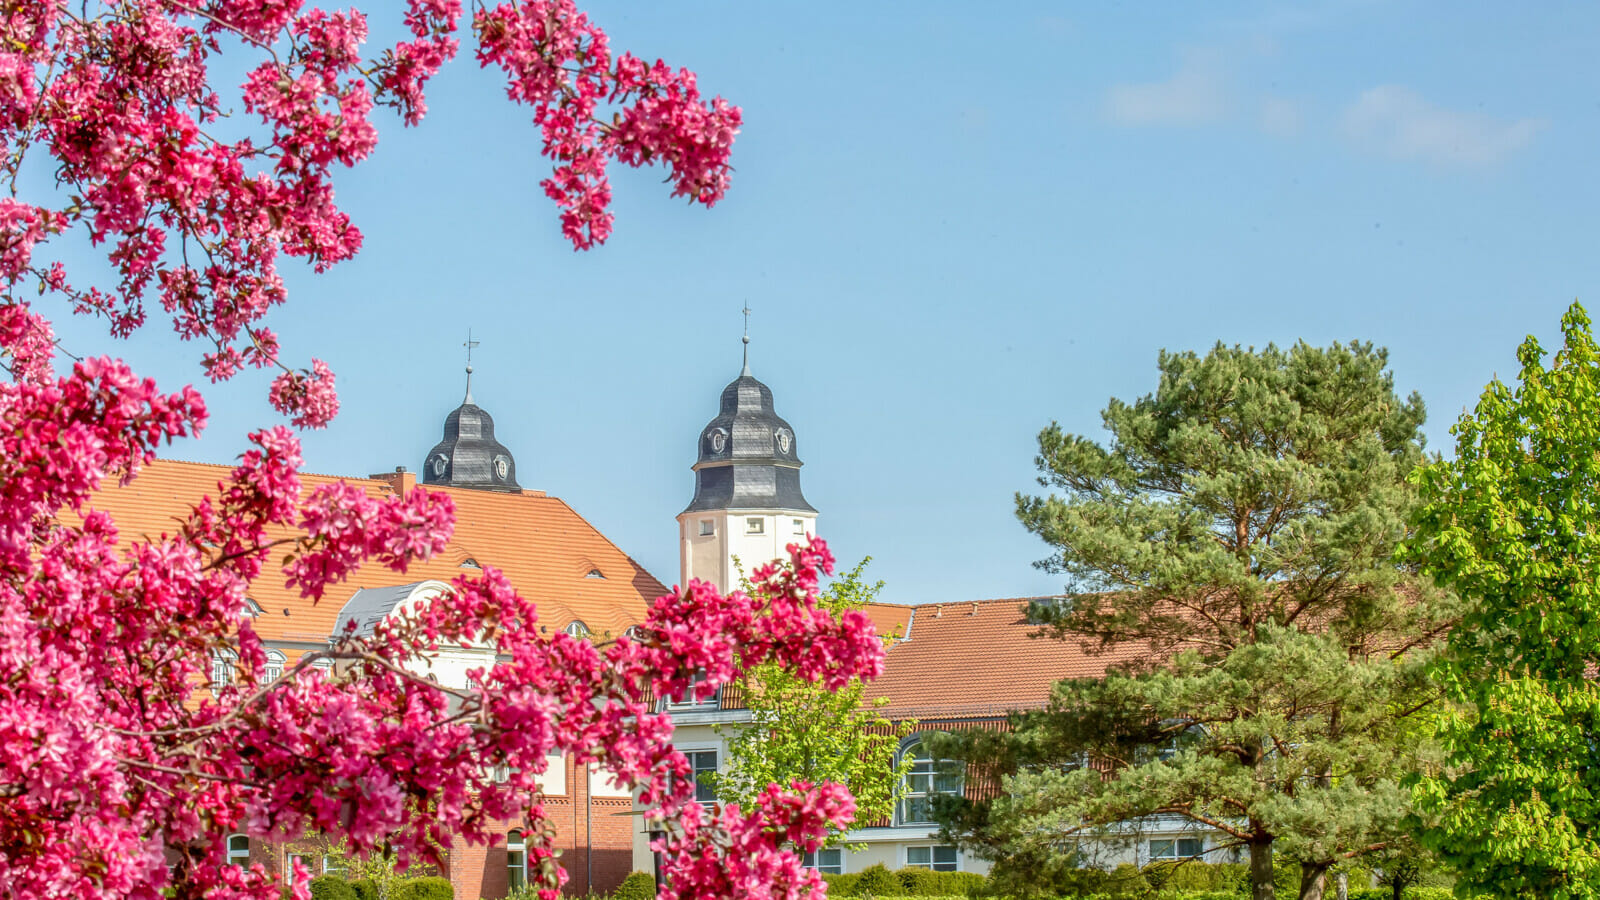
(890, 619)
(545, 548)
(976, 660)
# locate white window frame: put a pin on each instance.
(224, 664)
(800, 526)
(272, 668)
(708, 527)
(755, 525)
(1174, 849)
(516, 859)
(577, 629)
(934, 864)
(923, 782)
(819, 860)
(704, 794)
(238, 856)
(692, 702)
(331, 864)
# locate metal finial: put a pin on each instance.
(746, 371)
(469, 345)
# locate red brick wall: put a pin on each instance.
(596, 845)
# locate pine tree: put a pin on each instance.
(1240, 526)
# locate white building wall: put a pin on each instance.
(752, 537)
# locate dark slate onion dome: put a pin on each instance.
(748, 455)
(469, 456)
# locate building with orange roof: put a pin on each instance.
(581, 582)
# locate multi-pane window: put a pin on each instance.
(238, 849)
(755, 525)
(577, 629)
(332, 864)
(516, 860)
(692, 699)
(222, 663)
(708, 527)
(927, 778)
(704, 763)
(1177, 848)
(939, 859)
(272, 670)
(828, 862)
(305, 860)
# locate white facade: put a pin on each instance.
(716, 545)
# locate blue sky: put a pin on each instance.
(955, 223)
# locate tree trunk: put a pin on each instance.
(1399, 888)
(1313, 880)
(1261, 870)
(1344, 886)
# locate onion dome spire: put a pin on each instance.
(749, 458)
(469, 456)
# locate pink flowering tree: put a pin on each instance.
(118, 777)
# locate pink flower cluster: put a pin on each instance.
(560, 64)
(195, 213)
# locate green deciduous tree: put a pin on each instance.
(1512, 524)
(1240, 528)
(801, 731)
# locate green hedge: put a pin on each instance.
(332, 887)
(637, 886)
(920, 882)
(877, 881)
(366, 889)
(431, 887)
(841, 885)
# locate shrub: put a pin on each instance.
(1192, 875)
(331, 887)
(637, 886)
(920, 882)
(431, 887)
(841, 885)
(366, 889)
(1126, 882)
(1072, 882)
(877, 881)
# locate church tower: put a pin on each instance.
(747, 501)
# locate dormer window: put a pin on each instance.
(577, 629)
(470, 563)
(595, 573)
(755, 525)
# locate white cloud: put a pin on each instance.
(1194, 95)
(1280, 117)
(1396, 121)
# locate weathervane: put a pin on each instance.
(470, 343)
(746, 340)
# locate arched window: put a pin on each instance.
(222, 665)
(927, 778)
(272, 670)
(516, 860)
(577, 629)
(238, 850)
